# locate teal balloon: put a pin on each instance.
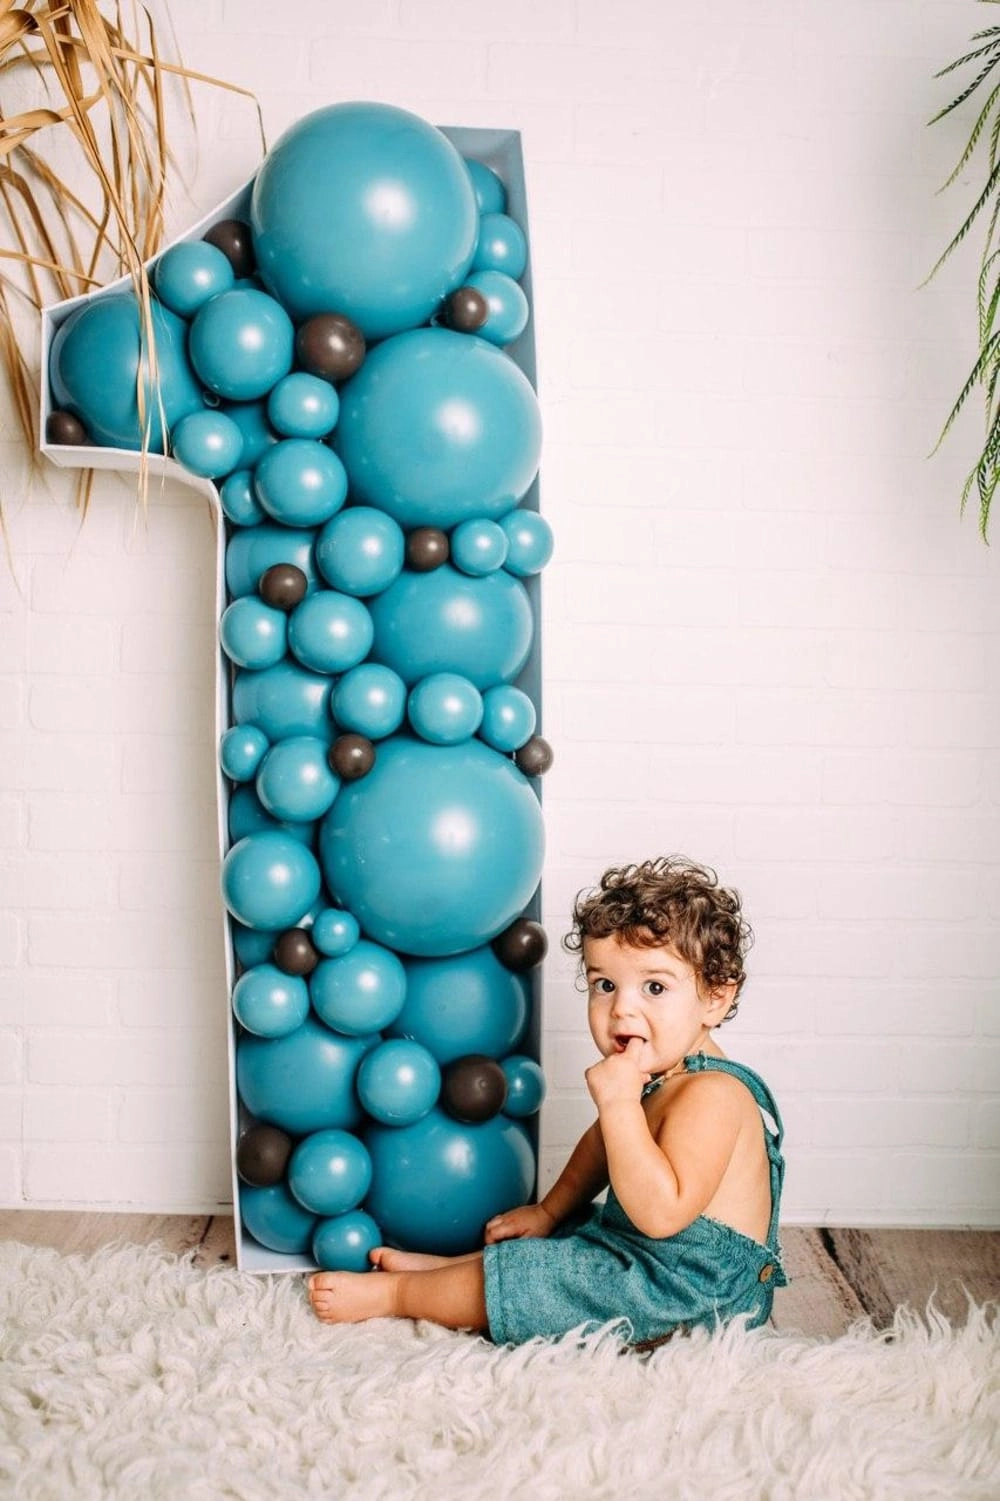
(188, 274)
(370, 700)
(344, 1243)
(241, 750)
(253, 634)
(276, 1219)
(361, 551)
(238, 499)
(330, 632)
(283, 700)
(529, 542)
(437, 427)
(508, 718)
(437, 849)
(247, 815)
(269, 1003)
(478, 546)
(241, 343)
(269, 880)
(491, 195)
(303, 1081)
(467, 1004)
(445, 621)
(525, 1086)
(303, 406)
(334, 932)
(207, 443)
(251, 946)
(399, 1082)
(252, 551)
(436, 1183)
(251, 419)
(330, 1172)
(294, 780)
(94, 367)
(364, 210)
(501, 246)
(445, 708)
(361, 992)
(508, 313)
(300, 482)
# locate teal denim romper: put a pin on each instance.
(601, 1268)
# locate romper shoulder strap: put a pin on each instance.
(700, 1062)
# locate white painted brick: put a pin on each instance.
(394, 69)
(684, 716)
(11, 1114)
(859, 1121)
(12, 703)
(141, 586)
(13, 641)
(11, 940)
(175, 523)
(10, 1058)
(69, 762)
(818, 949)
(127, 1176)
(950, 837)
(129, 822)
(846, 1006)
(169, 1117)
(70, 646)
(625, 830)
(183, 766)
(121, 705)
(810, 717)
(187, 650)
(909, 894)
(12, 822)
(12, 1007)
(251, 18)
(63, 1114)
(157, 1059)
(125, 941)
(81, 999)
(151, 884)
(57, 882)
(986, 1125)
(10, 1178)
(904, 777)
(192, 995)
(964, 952)
(822, 834)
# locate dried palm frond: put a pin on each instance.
(83, 173)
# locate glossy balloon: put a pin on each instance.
(351, 756)
(252, 634)
(360, 551)
(238, 499)
(468, 1004)
(295, 953)
(522, 946)
(427, 547)
(302, 1082)
(241, 750)
(251, 419)
(241, 343)
(252, 551)
(335, 932)
(491, 195)
(330, 1172)
(508, 718)
(445, 708)
(344, 1243)
(478, 546)
(466, 310)
(330, 346)
(294, 780)
(473, 1089)
(232, 237)
(247, 815)
(303, 406)
(188, 274)
(501, 246)
(300, 482)
(369, 700)
(360, 993)
(283, 700)
(283, 586)
(525, 1086)
(507, 310)
(262, 1155)
(62, 428)
(534, 757)
(250, 946)
(398, 1082)
(445, 621)
(269, 880)
(276, 1219)
(270, 1003)
(529, 542)
(330, 632)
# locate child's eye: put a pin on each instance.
(655, 988)
(602, 987)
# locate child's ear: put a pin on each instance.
(719, 1000)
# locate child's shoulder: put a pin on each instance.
(710, 1089)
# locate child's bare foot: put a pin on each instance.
(351, 1297)
(388, 1260)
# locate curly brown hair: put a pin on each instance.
(669, 900)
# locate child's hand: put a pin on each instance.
(618, 1077)
(516, 1224)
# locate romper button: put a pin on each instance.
(766, 1273)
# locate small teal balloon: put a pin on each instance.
(365, 210)
(269, 881)
(501, 246)
(247, 815)
(345, 1243)
(303, 406)
(241, 343)
(250, 946)
(269, 1003)
(436, 1183)
(445, 621)
(508, 718)
(508, 313)
(478, 546)
(437, 427)
(241, 750)
(304, 1081)
(335, 932)
(253, 634)
(294, 780)
(276, 1219)
(238, 499)
(330, 632)
(283, 700)
(330, 1172)
(467, 1004)
(369, 700)
(525, 1086)
(251, 419)
(491, 195)
(300, 482)
(188, 274)
(361, 551)
(361, 992)
(445, 708)
(399, 1082)
(94, 368)
(529, 542)
(252, 551)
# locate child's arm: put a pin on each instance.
(663, 1183)
(584, 1176)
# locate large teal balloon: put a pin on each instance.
(276, 1219)
(437, 1182)
(437, 849)
(467, 1004)
(94, 369)
(445, 621)
(294, 780)
(253, 550)
(330, 1172)
(365, 210)
(304, 1081)
(270, 1003)
(398, 1082)
(360, 551)
(360, 992)
(370, 700)
(283, 700)
(270, 880)
(437, 427)
(242, 343)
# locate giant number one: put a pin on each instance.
(345, 369)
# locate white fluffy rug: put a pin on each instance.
(133, 1374)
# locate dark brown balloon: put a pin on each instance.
(427, 548)
(473, 1088)
(262, 1155)
(466, 310)
(295, 952)
(351, 757)
(64, 428)
(283, 586)
(534, 757)
(330, 345)
(234, 239)
(521, 946)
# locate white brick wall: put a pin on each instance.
(769, 639)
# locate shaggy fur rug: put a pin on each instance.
(132, 1373)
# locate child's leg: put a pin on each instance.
(452, 1295)
(389, 1260)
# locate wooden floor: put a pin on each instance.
(836, 1276)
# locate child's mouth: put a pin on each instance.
(621, 1042)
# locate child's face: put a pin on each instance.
(652, 994)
